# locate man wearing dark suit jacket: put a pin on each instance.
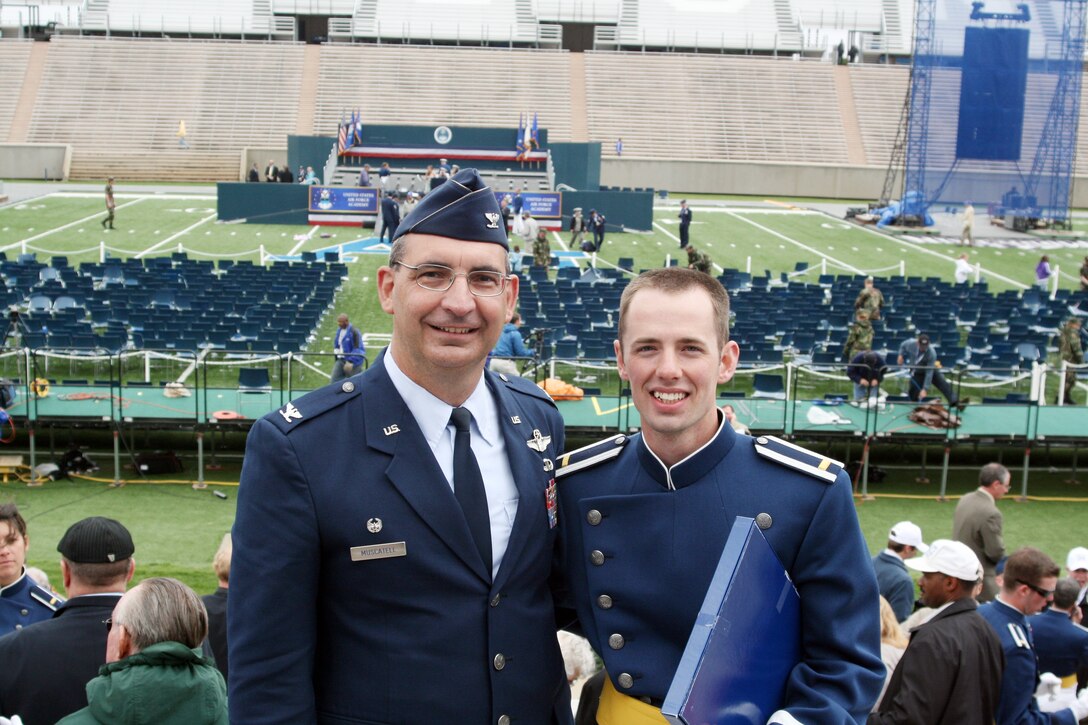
(46, 667)
(216, 604)
(387, 576)
(978, 523)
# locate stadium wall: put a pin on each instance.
(35, 161)
(263, 203)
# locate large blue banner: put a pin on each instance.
(541, 204)
(343, 199)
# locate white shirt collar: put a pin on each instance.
(433, 415)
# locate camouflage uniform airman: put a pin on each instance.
(542, 251)
(698, 260)
(1070, 349)
(870, 300)
(860, 337)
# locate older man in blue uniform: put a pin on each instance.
(395, 531)
(644, 519)
(1027, 588)
(22, 601)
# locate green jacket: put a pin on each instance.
(859, 339)
(1069, 345)
(165, 684)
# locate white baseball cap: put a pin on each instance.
(1077, 559)
(952, 558)
(908, 533)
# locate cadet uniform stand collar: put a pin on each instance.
(695, 466)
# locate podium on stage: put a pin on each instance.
(746, 639)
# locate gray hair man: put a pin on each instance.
(153, 661)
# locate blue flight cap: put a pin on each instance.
(462, 207)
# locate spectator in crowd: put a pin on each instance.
(518, 202)
(683, 480)
(866, 371)
(342, 619)
(516, 259)
(530, 226)
(542, 250)
(685, 222)
(254, 175)
(978, 523)
(893, 642)
(860, 337)
(921, 359)
(619, 147)
(596, 224)
(410, 201)
(444, 167)
(1030, 578)
(1084, 275)
(870, 299)
(1061, 645)
(364, 176)
(1076, 563)
(182, 134)
(302, 174)
(1071, 352)
(577, 228)
(349, 349)
(384, 173)
(730, 414)
(22, 601)
(1042, 273)
(892, 578)
(271, 172)
(47, 666)
(286, 177)
(506, 211)
(111, 203)
(699, 261)
(967, 235)
(950, 671)
(310, 179)
(511, 344)
(154, 672)
(964, 269)
(390, 216)
(216, 605)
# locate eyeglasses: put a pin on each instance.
(439, 278)
(108, 623)
(1044, 593)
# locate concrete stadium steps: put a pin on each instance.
(14, 64)
(715, 107)
(396, 84)
(879, 91)
(175, 165)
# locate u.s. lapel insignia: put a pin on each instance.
(492, 219)
(290, 413)
(538, 442)
(515, 419)
(374, 525)
(548, 464)
(391, 429)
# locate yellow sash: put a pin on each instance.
(619, 709)
(1069, 681)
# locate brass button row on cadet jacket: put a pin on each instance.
(616, 641)
(604, 601)
(500, 661)
(625, 681)
(594, 517)
(596, 557)
(504, 720)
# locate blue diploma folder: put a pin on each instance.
(746, 639)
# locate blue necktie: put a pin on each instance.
(468, 485)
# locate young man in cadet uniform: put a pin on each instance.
(381, 574)
(644, 519)
(22, 601)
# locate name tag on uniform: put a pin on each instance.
(379, 551)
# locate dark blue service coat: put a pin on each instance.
(23, 603)
(1021, 677)
(638, 558)
(1061, 645)
(331, 634)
